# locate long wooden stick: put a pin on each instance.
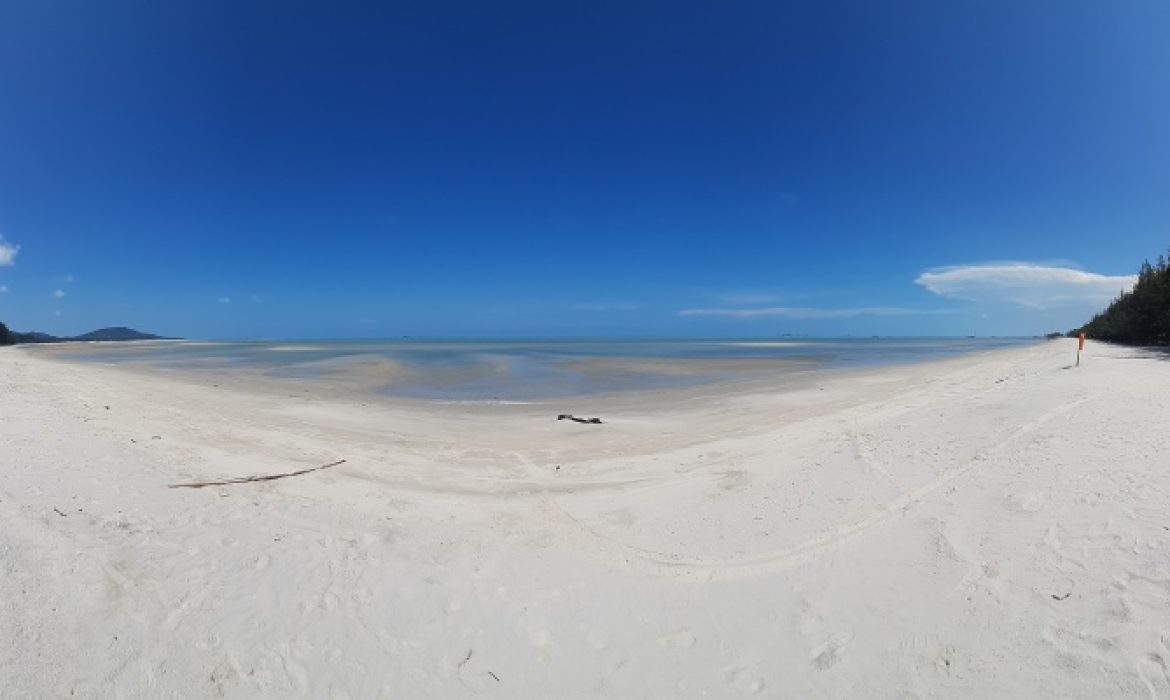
(250, 479)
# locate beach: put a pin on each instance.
(992, 525)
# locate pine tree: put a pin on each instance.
(1140, 316)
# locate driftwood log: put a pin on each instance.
(569, 416)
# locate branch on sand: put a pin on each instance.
(251, 479)
(569, 416)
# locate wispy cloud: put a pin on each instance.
(256, 299)
(224, 300)
(1033, 285)
(803, 312)
(8, 252)
(59, 294)
(746, 297)
(610, 306)
(65, 279)
(3, 289)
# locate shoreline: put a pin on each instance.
(990, 524)
(793, 374)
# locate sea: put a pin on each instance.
(525, 370)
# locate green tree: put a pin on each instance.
(1140, 316)
(5, 335)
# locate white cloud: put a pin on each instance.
(59, 294)
(797, 312)
(224, 300)
(3, 289)
(611, 306)
(8, 252)
(256, 299)
(1032, 285)
(746, 298)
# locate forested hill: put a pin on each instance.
(118, 333)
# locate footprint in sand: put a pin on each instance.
(1153, 671)
(732, 480)
(826, 655)
(1029, 502)
(682, 639)
(622, 517)
(746, 681)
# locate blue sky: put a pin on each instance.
(292, 169)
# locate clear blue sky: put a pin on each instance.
(550, 168)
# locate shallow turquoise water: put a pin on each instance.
(539, 368)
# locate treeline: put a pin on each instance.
(1140, 316)
(9, 337)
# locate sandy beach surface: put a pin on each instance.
(996, 525)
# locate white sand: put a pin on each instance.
(995, 526)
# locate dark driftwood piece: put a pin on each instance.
(250, 479)
(569, 416)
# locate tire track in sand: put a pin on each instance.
(661, 562)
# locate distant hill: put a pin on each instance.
(118, 333)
